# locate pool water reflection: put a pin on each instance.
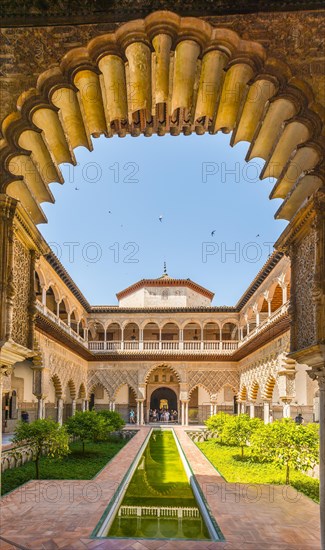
(159, 502)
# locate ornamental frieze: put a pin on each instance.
(21, 298)
(213, 380)
(112, 380)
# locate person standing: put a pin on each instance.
(132, 416)
(299, 419)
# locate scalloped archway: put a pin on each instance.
(162, 74)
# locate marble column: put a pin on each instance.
(83, 405)
(40, 407)
(73, 407)
(266, 412)
(318, 373)
(138, 413)
(43, 296)
(60, 411)
(182, 413)
(286, 409)
(321, 382)
(141, 413)
(252, 410)
(4, 371)
(186, 413)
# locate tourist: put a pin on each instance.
(271, 418)
(299, 419)
(132, 416)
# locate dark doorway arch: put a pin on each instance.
(163, 394)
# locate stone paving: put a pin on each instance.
(53, 515)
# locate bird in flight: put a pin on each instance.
(213, 232)
(257, 235)
(76, 188)
(160, 218)
(109, 212)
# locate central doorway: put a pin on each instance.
(163, 398)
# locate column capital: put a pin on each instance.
(314, 357)
(5, 370)
(319, 375)
(286, 400)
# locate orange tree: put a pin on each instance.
(287, 444)
(43, 436)
(238, 430)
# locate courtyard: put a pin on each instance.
(63, 514)
(96, 329)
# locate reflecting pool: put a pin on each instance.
(159, 502)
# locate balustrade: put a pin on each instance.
(186, 346)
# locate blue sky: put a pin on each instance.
(105, 225)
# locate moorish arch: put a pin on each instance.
(243, 394)
(57, 385)
(169, 60)
(171, 368)
(82, 394)
(71, 387)
(189, 77)
(269, 386)
(253, 391)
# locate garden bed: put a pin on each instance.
(76, 465)
(236, 469)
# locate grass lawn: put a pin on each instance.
(235, 469)
(76, 465)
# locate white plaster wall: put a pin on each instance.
(165, 297)
(221, 396)
(312, 388)
(203, 396)
(103, 401)
(122, 396)
(225, 396)
(51, 395)
(23, 370)
(301, 385)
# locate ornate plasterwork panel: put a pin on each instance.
(303, 269)
(61, 363)
(259, 372)
(264, 364)
(112, 380)
(21, 285)
(213, 380)
(67, 370)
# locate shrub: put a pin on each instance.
(112, 418)
(288, 445)
(87, 426)
(217, 423)
(43, 435)
(239, 429)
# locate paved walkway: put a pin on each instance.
(53, 515)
